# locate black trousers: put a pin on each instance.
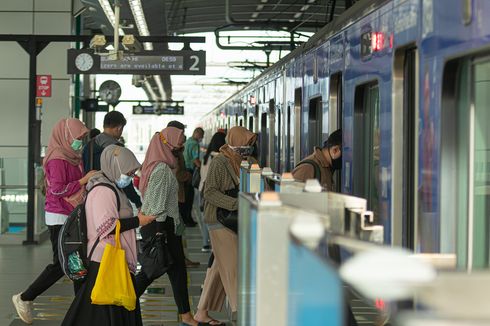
(186, 208)
(51, 274)
(177, 273)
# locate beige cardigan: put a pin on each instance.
(220, 177)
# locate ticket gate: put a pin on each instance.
(266, 297)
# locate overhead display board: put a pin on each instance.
(185, 62)
(150, 109)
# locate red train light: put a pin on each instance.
(377, 41)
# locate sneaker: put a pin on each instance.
(24, 308)
(206, 249)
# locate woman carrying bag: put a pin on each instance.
(159, 190)
(65, 188)
(106, 226)
(222, 177)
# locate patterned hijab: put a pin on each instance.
(114, 161)
(237, 137)
(160, 150)
(62, 135)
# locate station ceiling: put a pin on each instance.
(177, 17)
(180, 17)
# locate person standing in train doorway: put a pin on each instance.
(192, 162)
(323, 162)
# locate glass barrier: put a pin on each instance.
(13, 193)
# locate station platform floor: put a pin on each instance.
(19, 265)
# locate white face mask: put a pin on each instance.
(124, 180)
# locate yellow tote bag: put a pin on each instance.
(113, 285)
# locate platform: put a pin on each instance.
(19, 265)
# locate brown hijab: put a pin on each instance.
(62, 135)
(237, 137)
(160, 150)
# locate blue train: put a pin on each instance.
(409, 83)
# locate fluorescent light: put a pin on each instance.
(260, 7)
(264, 1)
(139, 17)
(158, 81)
(311, 1)
(106, 6)
(304, 8)
(255, 15)
(298, 14)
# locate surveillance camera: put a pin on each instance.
(97, 42)
(131, 43)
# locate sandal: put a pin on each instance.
(214, 322)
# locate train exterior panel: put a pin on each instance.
(391, 74)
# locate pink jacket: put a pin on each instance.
(63, 182)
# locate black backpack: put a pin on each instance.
(316, 167)
(72, 241)
(91, 155)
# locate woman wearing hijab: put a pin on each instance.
(159, 189)
(223, 175)
(118, 166)
(64, 180)
(218, 140)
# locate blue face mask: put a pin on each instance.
(76, 145)
(123, 181)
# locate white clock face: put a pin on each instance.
(84, 62)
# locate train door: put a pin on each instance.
(366, 181)
(296, 130)
(465, 161)
(404, 159)
(335, 116)
(315, 123)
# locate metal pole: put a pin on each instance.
(31, 155)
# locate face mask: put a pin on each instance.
(337, 164)
(244, 151)
(123, 181)
(76, 145)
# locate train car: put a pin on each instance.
(408, 81)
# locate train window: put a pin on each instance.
(251, 123)
(296, 130)
(288, 146)
(335, 115)
(366, 178)
(314, 124)
(465, 162)
(278, 141)
(264, 140)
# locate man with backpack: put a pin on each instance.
(323, 162)
(114, 123)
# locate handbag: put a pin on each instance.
(196, 177)
(227, 218)
(113, 285)
(155, 258)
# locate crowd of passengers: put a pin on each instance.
(165, 204)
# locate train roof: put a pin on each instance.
(350, 16)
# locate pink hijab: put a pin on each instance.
(160, 150)
(62, 135)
